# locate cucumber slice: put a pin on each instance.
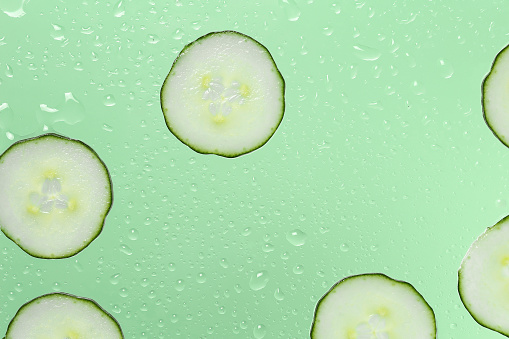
(483, 278)
(373, 306)
(495, 97)
(64, 316)
(56, 193)
(224, 95)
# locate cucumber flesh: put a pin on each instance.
(483, 278)
(63, 316)
(56, 193)
(224, 95)
(495, 97)
(373, 306)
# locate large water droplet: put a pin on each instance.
(259, 331)
(291, 9)
(296, 237)
(119, 9)
(446, 70)
(13, 8)
(58, 32)
(259, 280)
(109, 100)
(366, 53)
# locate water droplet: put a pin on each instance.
(291, 9)
(119, 9)
(153, 39)
(298, 269)
(224, 263)
(445, 69)
(201, 278)
(180, 285)
(178, 34)
(344, 247)
(366, 53)
(109, 100)
(6, 116)
(114, 279)
(133, 234)
(13, 8)
(107, 128)
(58, 32)
(125, 249)
(296, 237)
(278, 294)
(268, 248)
(70, 112)
(259, 331)
(246, 231)
(259, 280)
(8, 71)
(123, 292)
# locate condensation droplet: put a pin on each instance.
(446, 70)
(200, 278)
(298, 269)
(296, 237)
(125, 249)
(8, 71)
(366, 53)
(133, 234)
(119, 9)
(114, 279)
(153, 39)
(180, 285)
(13, 8)
(259, 331)
(58, 32)
(344, 247)
(109, 100)
(291, 9)
(259, 280)
(278, 294)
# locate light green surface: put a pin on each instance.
(382, 161)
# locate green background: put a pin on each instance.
(382, 163)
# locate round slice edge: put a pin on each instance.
(57, 195)
(224, 95)
(373, 306)
(483, 278)
(62, 315)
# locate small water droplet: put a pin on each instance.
(58, 32)
(344, 247)
(366, 53)
(109, 100)
(201, 278)
(278, 294)
(180, 285)
(8, 71)
(107, 128)
(259, 280)
(268, 248)
(291, 9)
(298, 269)
(178, 34)
(259, 331)
(153, 39)
(125, 249)
(296, 237)
(133, 234)
(119, 9)
(446, 69)
(114, 279)
(224, 263)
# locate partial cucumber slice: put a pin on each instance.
(224, 95)
(483, 278)
(373, 306)
(63, 316)
(55, 193)
(495, 97)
